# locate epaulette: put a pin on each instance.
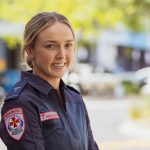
(73, 89)
(17, 89)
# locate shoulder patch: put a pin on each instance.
(73, 89)
(15, 123)
(15, 92)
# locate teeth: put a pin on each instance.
(58, 65)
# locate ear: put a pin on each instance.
(30, 53)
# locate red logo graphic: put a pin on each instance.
(14, 122)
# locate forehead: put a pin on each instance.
(56, 32)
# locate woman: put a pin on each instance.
(41, 112)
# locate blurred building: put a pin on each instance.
(9, 55)
(121, 51)
(2, 57)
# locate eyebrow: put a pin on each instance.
(51, 41)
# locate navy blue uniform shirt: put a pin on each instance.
(36, 117)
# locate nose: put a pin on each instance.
(61, 53)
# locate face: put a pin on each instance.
(53, 52)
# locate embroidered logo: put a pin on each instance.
(14, 122)
(49, 115)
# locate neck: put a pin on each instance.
(54, 82)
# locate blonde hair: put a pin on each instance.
(36, 25)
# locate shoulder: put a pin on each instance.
(16, 90)
(74, 95)
(72, 89)
(19, 97)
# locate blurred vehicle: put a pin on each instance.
(7, 81)
(10, 77)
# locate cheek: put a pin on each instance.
(71, 55)
(72, 58)
(44, 57)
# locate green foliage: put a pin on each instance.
(141, 111)
(11, 42)
(136, 112)
(131, 88)
(83, 13)
(87, 16)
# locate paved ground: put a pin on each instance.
(112, 127)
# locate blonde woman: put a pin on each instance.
(41, 112)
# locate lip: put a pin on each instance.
(60, 63)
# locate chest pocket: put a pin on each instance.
(51, 124)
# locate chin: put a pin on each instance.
(58, 75)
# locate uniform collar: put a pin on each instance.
(39, 83)
(36, 82)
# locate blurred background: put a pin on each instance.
(113, 56)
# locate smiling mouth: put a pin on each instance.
(59, 65)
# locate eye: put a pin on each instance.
(69, 45)
(51, 46)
